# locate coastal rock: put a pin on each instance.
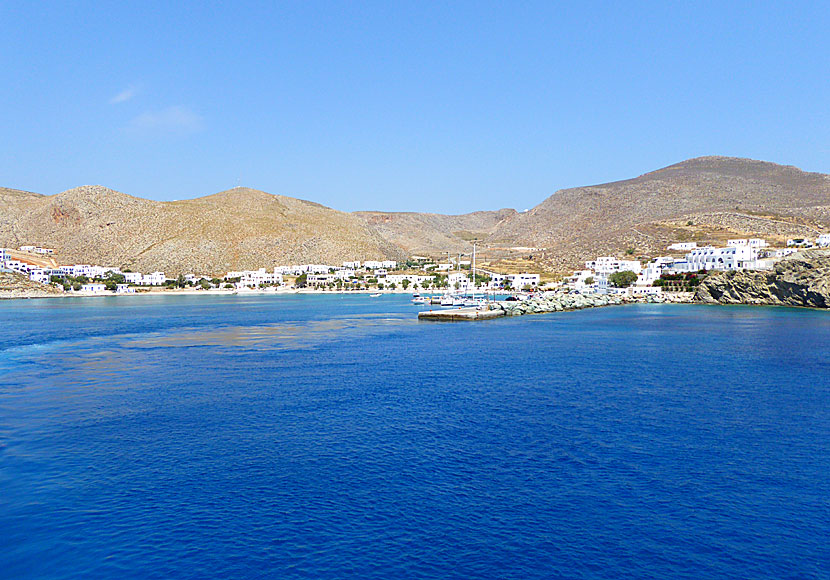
(14, 285)
(801, 280)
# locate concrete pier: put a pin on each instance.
(459, 314)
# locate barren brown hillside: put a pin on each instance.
(432, 233)
(707, 199)
(239, 228)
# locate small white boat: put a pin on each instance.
(375, 295)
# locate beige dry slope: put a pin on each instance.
(703, 199)
(430, 233)
(707, 199)
(238, 228)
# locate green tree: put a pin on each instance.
(622, 279)
(301, 280)
(117, 278)
(589, 280)
(405, 283)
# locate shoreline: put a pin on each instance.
(37, 294)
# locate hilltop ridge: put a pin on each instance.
(705, 199)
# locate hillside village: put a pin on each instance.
(681, 271)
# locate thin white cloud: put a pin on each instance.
(123, 96)
(166, 122)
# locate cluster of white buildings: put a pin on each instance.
(738, 254)
(376, 272)
(37, 250)
(823, 241)
(90, 272)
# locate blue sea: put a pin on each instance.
(335, 436)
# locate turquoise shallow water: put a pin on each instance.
(338, 437)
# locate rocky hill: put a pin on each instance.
(14, 285)
(234, 229)
(430, 233)
(800, 280)
(708, 199)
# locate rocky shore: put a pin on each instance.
(561, 301)
(800, 280)
(14, 285)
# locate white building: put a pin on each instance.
(345, 273)
(94, 288)
(254, 278)
(389, 264)
(459, 279)
(524, 280)
(588, 282)
(823, 241)
(37, 250)
(372, 264)
(319, 279)
(153, 279)
(445, 267)
(782, 252)
(654, 270)
(414, 279)
(132, 277)
(682, 246)
(643, 290)
(41, 275)
(751, 242)
(799, 243)
(710, 258)
(608, 265)
(124, 289)
(352, 265)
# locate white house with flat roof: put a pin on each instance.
(682, 246)
(823, 241)
(93, 288)
(524, 280)
(153, 279)
(413, 279)
(254, 278)
(588, 282)
(608, 265)
(711, 258)
(751, 242)
(799, 243)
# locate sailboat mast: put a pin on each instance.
(474, 267)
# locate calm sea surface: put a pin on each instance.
(338, 437)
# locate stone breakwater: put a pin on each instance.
(560, 301)
(801, 280)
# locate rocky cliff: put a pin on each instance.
(801, 280)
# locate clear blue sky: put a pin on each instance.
(445, 107)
